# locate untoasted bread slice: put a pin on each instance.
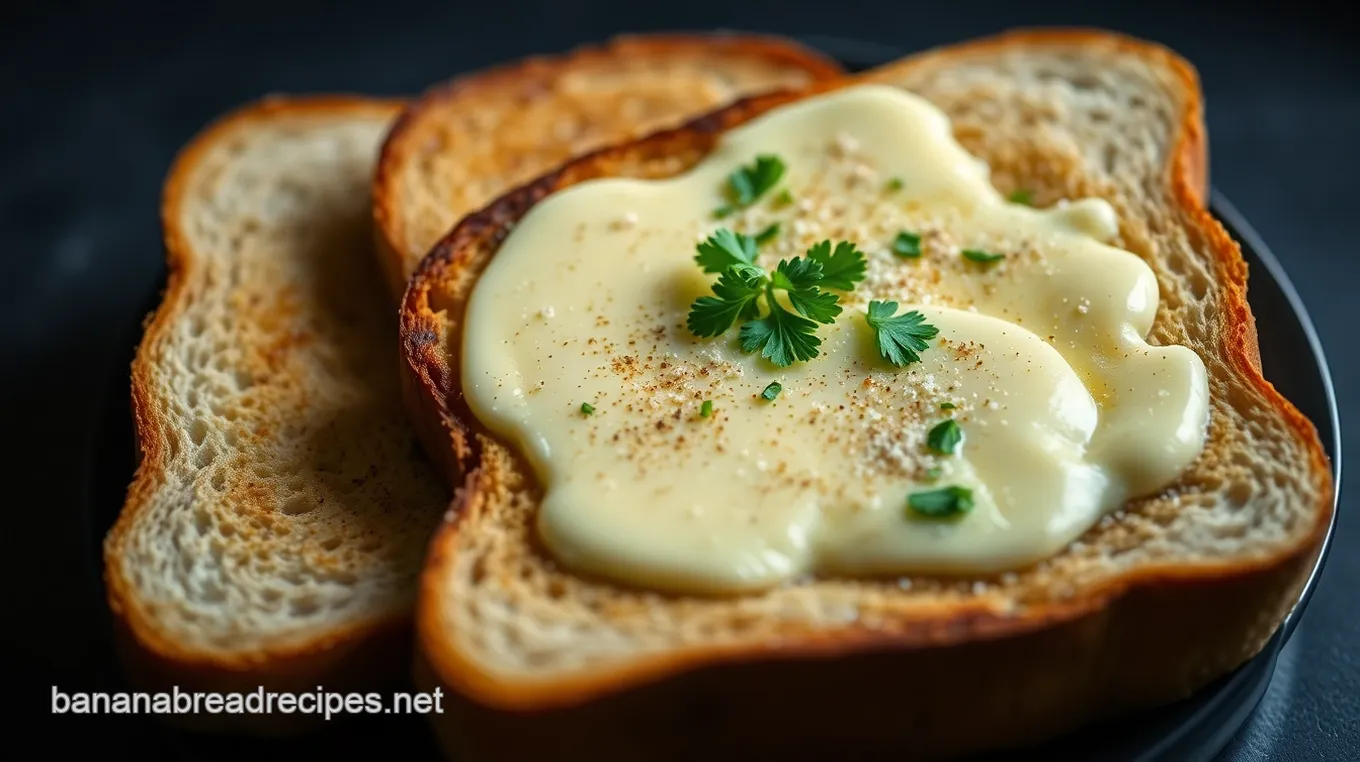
(281, 507)
(469, 140)
(1150, 605)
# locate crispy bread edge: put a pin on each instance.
(1152, 636)
(389, 225)
(360, 656)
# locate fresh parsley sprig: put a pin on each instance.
(781, 336)
(900, 337)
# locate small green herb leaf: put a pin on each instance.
(815, 304)
(749, 183)
(734, 296)
(771, 391)
(783, 198)
(768, 234)
(945, 502)
(907, 245)
(894, 184)
(706, 409)
(900, 337)
(800, 278)
(781, 336)
(797, 273)
(1021, 196)
(947, 406)
(945, 437)
(842, 267)
(587, 408)
(980, 256)
(725, 248)
(934, 472)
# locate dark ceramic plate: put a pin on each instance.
(1195, 730)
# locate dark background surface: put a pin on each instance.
(100, 95)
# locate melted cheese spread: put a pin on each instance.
(1066, 411)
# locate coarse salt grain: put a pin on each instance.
(845, 144)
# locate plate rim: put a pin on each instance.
(1246, 235)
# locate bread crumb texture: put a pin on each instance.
(1046, 122)
(285, 497)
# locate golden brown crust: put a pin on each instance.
(538, 74)
(910, 704)
(1041, 670)
(355, 656)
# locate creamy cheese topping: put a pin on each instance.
(1066, 410)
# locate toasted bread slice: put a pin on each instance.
(281, 507)
(469, 140)
(1150, 605)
